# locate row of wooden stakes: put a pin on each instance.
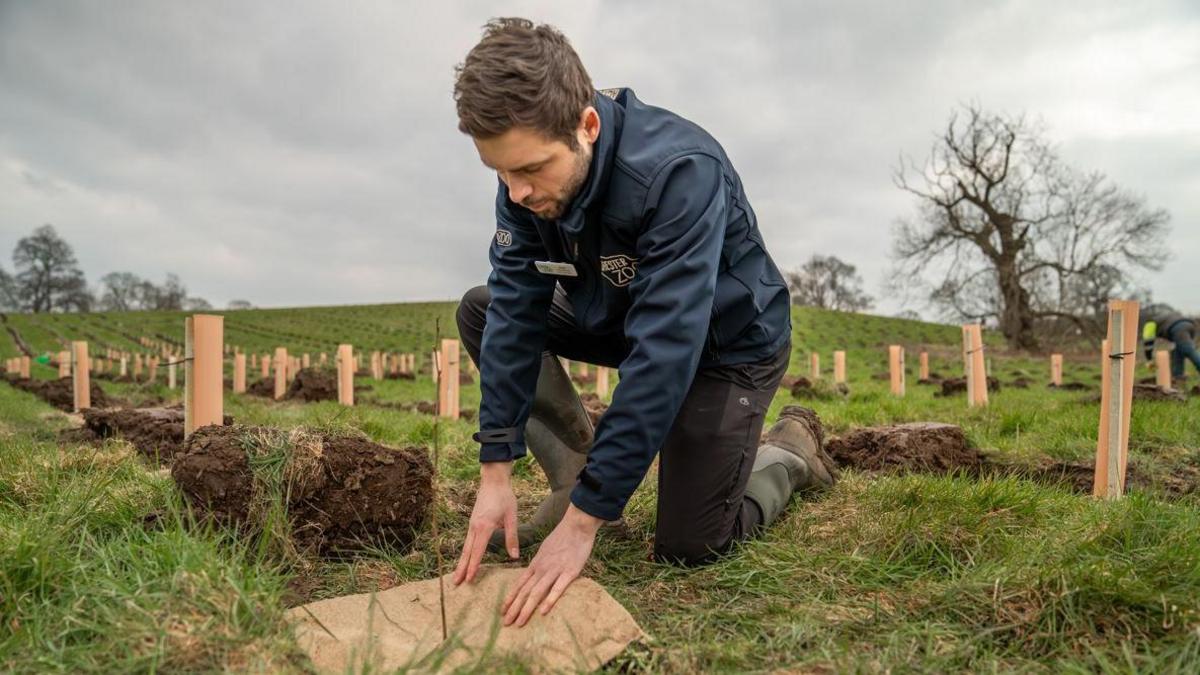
(203, 376)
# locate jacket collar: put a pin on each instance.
(604, 150)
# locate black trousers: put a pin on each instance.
(705, 462)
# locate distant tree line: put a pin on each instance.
(46, 278)
(828, 282)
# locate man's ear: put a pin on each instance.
(589, 125)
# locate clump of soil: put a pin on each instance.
(1195, 390)
(312, 384)
(594, 406)
(919, 446)
(1069, 386)
(1147, 392)
(806, 389)
(1150, 392)
(264, 387)
(341, 492)
(154, 432)
(958, 385)
(59, 393)
(1078, 477)
(465, 378)
(399, 376)
(1020, 383)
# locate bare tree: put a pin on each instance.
(48, 276)
(240, 304)
(120, 291)
(196, 305)
(1013, 234)
(829, 283)
(9, 298)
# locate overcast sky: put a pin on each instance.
(299, 153)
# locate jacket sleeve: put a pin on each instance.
(667, 325)
(514, 335)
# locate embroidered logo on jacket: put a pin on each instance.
(504, 237)
(618, 269)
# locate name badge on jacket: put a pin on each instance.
(558, 269)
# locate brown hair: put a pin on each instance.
(521, 75)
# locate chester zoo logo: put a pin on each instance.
(618, 269)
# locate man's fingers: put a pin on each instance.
(478, 548)
(516, 588)
(461, 570)
(510, 535)
(535, 598)
(514, 610)
(556, 592)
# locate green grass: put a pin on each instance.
(101, 570)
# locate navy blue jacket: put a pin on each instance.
(668, 253)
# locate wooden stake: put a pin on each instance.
(82, 381)
(814, 365)
(1162, 370)
(345, 374)
(839, 367)
(435, 365)
(124, 366)
(239, 373)
(202, 372)
(974, 367)
(265, 365)
(602, 382)
(64, 364)
(448, 379)
(583, 368)
(26, 367)
(171, 374)
(137, 366)
(151, 368)
(1056, 369)
(923, 374)
(324, 358)
(896, 366)
(281, 363)
(1116, 398)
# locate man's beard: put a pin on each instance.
(579, 174)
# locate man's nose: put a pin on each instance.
(518, 189)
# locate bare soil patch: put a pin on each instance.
(154, 432)
(958, 385)
(59, 393)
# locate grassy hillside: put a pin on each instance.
(988, 571)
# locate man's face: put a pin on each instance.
(542, 175)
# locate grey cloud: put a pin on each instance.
(296, 153)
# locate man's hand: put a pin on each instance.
(558, 562)
(495, 506)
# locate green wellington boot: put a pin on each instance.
(791, 459)
(558, 434)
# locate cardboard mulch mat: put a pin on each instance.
(401, 627)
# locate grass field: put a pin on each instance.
(102, 570)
